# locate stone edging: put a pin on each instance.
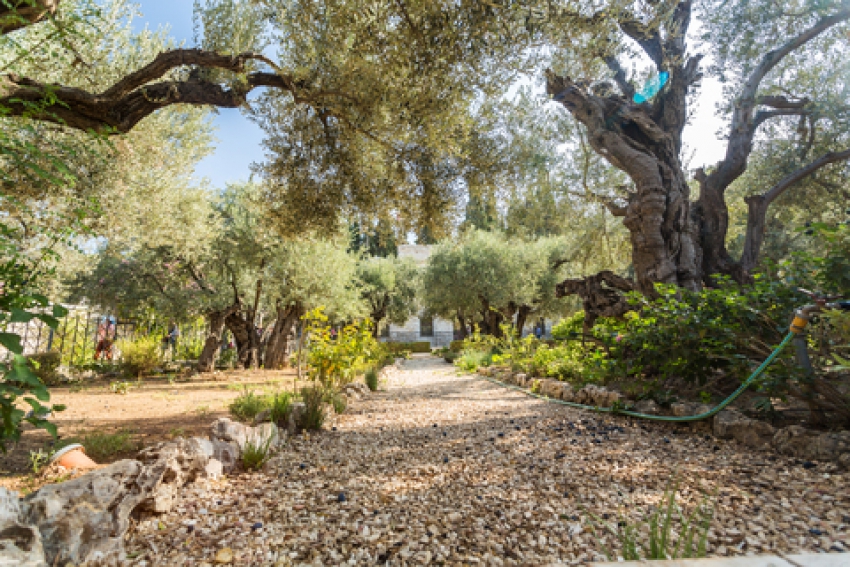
(793, 441)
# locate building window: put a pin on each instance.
(426, 326)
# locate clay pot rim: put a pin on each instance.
(65, 450)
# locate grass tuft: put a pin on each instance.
(372, 379)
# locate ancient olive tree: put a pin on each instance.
(675, 238)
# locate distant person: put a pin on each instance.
(105, 338)
(538, 332)
(173, 334)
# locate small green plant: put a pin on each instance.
(202, 411)
(281, 407)
(371, 379)
(119, 387)
(247, 405)
(658, 541)
(471, 360)
(38, 459)
(535, 386)
(338, 401)
(45, 365)
(177, 432)
(140, 355)
(314, 410)
(103, 446)
(705, 397)
(254, 456)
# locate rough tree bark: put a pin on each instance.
(212, 344)
(277, 349)
(18, 14)
(247, 340)
(601, 295)
(673, 240)
(522, 317)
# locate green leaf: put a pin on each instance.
(59, 311)
(51, 321)
(12, 342)
(20, 316)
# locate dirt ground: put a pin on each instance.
(151, 411)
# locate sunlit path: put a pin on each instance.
(448, 469)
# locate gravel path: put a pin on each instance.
(444, 469)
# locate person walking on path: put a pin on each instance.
(105, 338)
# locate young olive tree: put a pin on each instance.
(388, 288)
(487, 279)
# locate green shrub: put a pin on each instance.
(247, 405)
(338, 402)
(102, 446)
(470, 360)
(569, 327)
(255, 456)
(314, 410)
(418, 346)
(139, 355)
(371, 379)
(280, 406)
(456, 346)
(45, 366)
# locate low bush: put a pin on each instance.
(139, 355)
(248, 404)
(456, 346)
(314, 410)
(371, 379)
(471, 360)
(254, 456)
(398, 347)
(338, 401)
(280, 406)
(101, 446)
(569, 327)
(45, 365)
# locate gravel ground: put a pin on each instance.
(444, 469)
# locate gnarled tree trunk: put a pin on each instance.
(277, 348)
(212, 344)
(247, 340)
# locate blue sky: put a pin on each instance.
(239, 139)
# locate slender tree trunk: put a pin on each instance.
(464, 330)
(521, 317)
(212, 344)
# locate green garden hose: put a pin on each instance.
(668, 418)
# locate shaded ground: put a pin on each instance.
(152, 411)
(453, 470)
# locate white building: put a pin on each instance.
(438, 332)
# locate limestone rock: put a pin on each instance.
(567, 394)
(264, 433)
(518, 379)
(797, 441)
(226, 453)
(730, 424)
(359, 387)
(84, 519)
(648, 407)
(225, 429)
(683, 409)
(263, 417)
(296, 415)
(170, 466)
(20, 544)
(551, 388)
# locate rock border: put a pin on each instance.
(84, 520)
(792, 441)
